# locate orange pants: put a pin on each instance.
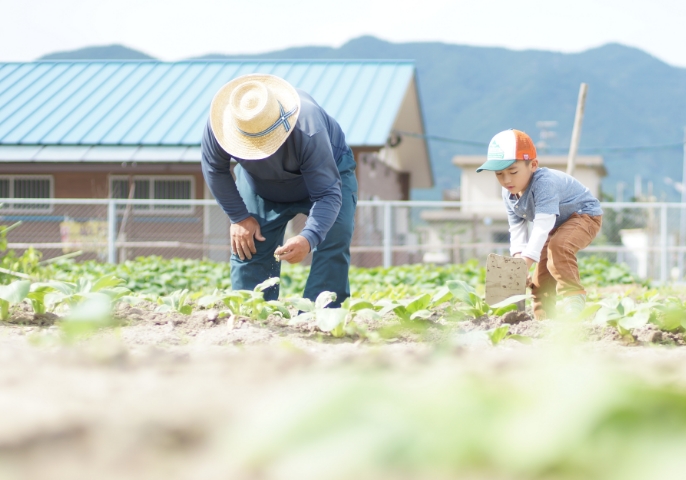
(557, 273)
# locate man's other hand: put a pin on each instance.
(243, 236)
(294, 250)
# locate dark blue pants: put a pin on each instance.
(330, 259)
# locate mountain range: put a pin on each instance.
(470, 93)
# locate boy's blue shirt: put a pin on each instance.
(552, 192)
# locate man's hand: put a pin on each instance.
(294, 250)
(243, 236)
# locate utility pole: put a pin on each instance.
(638, 188)
(576, 133)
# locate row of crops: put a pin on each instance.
(85, 294)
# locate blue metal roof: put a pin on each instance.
(151, 103)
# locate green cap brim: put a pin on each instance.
(495, 165)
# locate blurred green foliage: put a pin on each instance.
(159, 276)
(553, 418)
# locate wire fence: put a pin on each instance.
(649, 237)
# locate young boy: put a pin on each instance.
(565, 216)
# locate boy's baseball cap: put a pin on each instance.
(506, 148)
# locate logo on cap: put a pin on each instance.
(495, 152)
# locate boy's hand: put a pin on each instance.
(529, 262)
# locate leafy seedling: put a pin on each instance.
(408, 310)
(473, 305)
(12, 294)
(670, 315)
(72, 294)
(94, 313)
(37, 295)
(175, 302)
(248, 303)
(337, 321)
(624, 314)
(497, 335)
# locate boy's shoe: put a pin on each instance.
(573, 305)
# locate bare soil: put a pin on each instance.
(164, 395)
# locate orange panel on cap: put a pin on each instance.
(525, 147)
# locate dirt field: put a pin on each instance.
(168, 396)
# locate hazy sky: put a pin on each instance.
(173, 29)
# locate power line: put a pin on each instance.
(662, 146)
(440, 139)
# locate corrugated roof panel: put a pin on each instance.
(185, 113)
(265, 67)
(21, 93)
(335, 102)
(137, 121)
(393, 99)
(373, 123)
(73, 125)
(297, 74)
(18, 81)
(6, 70)
(116, 100)
(196, 117)
(156, 103)
(358, 99)
(310, 76)
(53, 111)
(282, 70)
(136, 103)
(327, 83)
(156, 122)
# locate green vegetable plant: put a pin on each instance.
(669, 314)
(175, 302)
(472, 304)
(326, 319)
(408, 310)
(37, 295)
(623, 314)
(497, 335)
(154, 275)
(339, 322)
(92, 314)
(12, 294)
(247, 303)
(71, 294)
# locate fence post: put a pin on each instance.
(387, 236)
(111, 231)
(663, 244)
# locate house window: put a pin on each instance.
(26, 186)
(154, 188)
(501, 237)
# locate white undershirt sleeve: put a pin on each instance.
(518, 237)
(543, 224)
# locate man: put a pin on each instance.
(292, 158)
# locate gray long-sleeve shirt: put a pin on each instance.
(303, 167)
(551, 192)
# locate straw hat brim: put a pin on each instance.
(230, 137)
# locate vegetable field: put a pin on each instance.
(156, 368)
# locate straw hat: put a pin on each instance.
(252, 115)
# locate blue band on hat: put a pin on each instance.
(282, 119)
